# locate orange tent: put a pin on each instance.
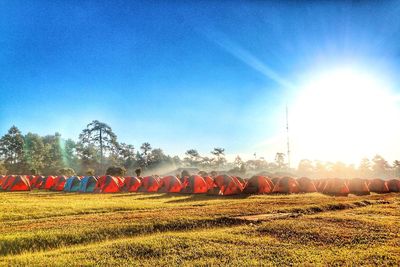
(286, 185)
(306, 185)
(170, 184)
(320, 184)
(194, 184)
(226, 185)
(107, 184)
(378, 186)
(149, 184)
(258, 185)
(16, 183)
(58, 184)
(335, 187)
(358, 186)
(209, 181)
(131, 184)
(47, 182)
(394, 185)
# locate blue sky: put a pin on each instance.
(181, 74)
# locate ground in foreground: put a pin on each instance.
(50, 228)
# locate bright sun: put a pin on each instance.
(344, 114)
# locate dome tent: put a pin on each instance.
(87, 184)
(336, 187)
(306, 185)
(286, 185)
(393, 185)
(358, 186)
(194, 184)
(37, 181)
(258, 185)
(72, 184)
(16, 183)
(226, 185)
(58, 184)
(47, 182)
(378, 186)
(107, 184)
(170, 184)
(149, 184)
(131, 184)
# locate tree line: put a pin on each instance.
(97, 148)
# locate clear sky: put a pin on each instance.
(195, 74)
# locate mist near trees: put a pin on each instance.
(97, 148)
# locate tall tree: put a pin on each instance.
(88, 156)
(238, 162)
(305, 168)
(70, 154)
(157, 158)
(280, 160)
(219, 154)
(127, 156)
(101, 135)
(192, 157)
(53, 157)
(143, 158)
(12, 150)
(396, 168)
(34, 152)
(364, 168)
(146, 148)
(380, 166)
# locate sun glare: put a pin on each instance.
(344, 114)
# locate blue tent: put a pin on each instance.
(72, 184)
(87, 184)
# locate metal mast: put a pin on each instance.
(287, 136)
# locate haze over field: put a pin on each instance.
(187, 75)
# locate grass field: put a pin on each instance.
(52, 228)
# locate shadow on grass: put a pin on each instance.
(200, 197)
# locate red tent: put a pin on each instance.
(6, 182)
(47, 182)
(194, 184)
(275, 180)
(121, 181)
(2, 178)
(286, 185)
(358, 186)
(226, 185)
(107, 184)
(149, 184)
(16, 183)
(241, 180)
(378, 186)
(58, 184)
(394, 185)
(36, 182)
(170, 184)
(131, 184)
(258, 185)
(336, 187)
(306, 185)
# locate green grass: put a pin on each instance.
(49, 228)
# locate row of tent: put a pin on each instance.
(195, 184)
